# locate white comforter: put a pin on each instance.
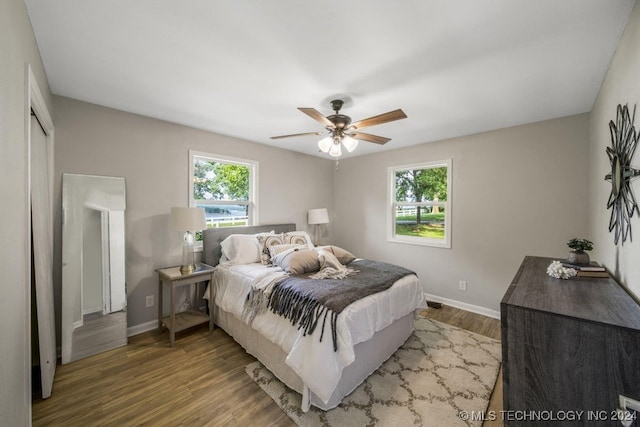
(315, 362)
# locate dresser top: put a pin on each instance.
(595, 299)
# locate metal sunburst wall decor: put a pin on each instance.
(622, 202)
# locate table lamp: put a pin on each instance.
(318, 217)
(188, 220)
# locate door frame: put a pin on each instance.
(106, 268)
(34, 101)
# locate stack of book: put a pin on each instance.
(588, 270)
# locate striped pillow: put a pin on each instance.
(276, 249)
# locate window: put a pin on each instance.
(420, 207)
(225, 187)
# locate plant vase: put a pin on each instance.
(578, 257)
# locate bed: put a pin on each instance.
(325, 370)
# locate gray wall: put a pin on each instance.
(621, 86)
(153, 157)
(515, 192)
(17, 49)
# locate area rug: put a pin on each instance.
(442, 376)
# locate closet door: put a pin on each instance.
(41, 227)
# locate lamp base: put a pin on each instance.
(187, 269)
(188, 261)
(318, 232)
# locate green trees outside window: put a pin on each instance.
(420, 203)
(224, 188)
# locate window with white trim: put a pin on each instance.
(225, 187)
(420, 204)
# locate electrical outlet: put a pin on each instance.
(150, 302)
(462, 285)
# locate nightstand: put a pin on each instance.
(176, 322)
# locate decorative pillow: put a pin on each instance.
(297, 261)
(344, 256)
(264, 242)
(276, 249)
(298, 237)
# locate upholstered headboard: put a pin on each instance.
(213, 236)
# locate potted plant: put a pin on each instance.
(579, 255)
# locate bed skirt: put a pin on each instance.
(369, 354)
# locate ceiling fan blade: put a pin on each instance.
(296, 134)
(379, 119)
(317, 116)
(369, 138)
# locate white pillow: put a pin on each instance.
(241, 248)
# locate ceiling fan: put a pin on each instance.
(342, 131)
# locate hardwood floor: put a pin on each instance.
(477, 323)
(113, 333)
(200, 382)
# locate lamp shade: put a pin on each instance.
(188, 219)
(325, 144)
(349, 143)
(318, 216)
(335, 150)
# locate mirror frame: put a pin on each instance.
(101, 200)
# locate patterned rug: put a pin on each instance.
(439, 372)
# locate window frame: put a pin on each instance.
(252, 203)
(392, 205)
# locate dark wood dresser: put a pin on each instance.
(567, 345)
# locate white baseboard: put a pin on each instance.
(142, 328)
(464, 306)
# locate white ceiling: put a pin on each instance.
(241, 67)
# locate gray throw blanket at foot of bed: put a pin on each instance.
(307, 302)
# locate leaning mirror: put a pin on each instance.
(94, 296)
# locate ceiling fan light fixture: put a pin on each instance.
(338, 125)
(325, 144)
(349, 143)
(335, 151)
